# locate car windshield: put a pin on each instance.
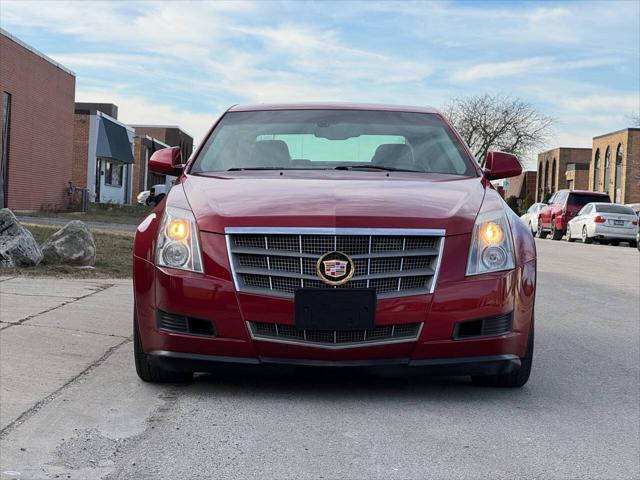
(582, 200)
(613, 208)
(329, 139)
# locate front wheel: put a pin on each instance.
(569, 239)
(541, 232)
(152, 373)
(515, 379)
(555, 233)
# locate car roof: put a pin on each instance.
(587, 192)
(332, 106)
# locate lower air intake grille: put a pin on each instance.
(181, 324)
(486, 327)
(335, 338)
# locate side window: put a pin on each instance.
(586, 210)
(562, 197)
(553, 198)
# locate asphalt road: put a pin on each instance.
(72, 406)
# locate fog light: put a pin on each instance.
(494, 257)
(492, 233)
(175, 254)
(178, 229)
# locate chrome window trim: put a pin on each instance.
(329, 346)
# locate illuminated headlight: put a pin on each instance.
(491, 244)
(178, 245)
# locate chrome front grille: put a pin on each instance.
(335, 338)
(279, 261)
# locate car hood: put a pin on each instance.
(334, 199)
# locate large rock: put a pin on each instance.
(71, 245)
(18, 248)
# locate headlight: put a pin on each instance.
(178, 245)
(491, 244)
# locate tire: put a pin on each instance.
(555, 234)
(152, 373)
(585, 237)
(541, 232)
(634, 244)
(531, 228)
(569, 239)
(515, 379)
(615, 243)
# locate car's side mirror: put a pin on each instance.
(167, 161)
(502, 165)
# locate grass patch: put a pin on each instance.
(113, 256)
(100, 212)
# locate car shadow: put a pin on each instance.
(383, 383)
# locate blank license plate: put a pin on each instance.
(335, 309)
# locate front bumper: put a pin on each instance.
(215, 299)
(483, 365)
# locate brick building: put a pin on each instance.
(557, 170)
(150, 138)
(521, 186)
(615, 165)
(36, 128)
(103, 160)
(171, 135)
(143, 147)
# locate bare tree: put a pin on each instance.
(634, 118)
(508, 124)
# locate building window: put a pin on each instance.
(546, 176)
(596, 171)
(607, 167)
(113, 174)
(553, 175)
(617, 186)
(4, 160)
(539, 182)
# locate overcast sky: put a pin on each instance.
(185, 63)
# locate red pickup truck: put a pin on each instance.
(562, 207)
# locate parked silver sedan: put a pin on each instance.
(605, 222)
(530, 218)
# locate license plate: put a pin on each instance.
(618, 223)
(335, 309)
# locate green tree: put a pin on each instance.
(513, 203)
(527, 201)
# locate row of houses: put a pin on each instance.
(612, 165)
(54, 148)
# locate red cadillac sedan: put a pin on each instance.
(334, 235)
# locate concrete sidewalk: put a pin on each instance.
(52, 331)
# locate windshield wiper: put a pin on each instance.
(374, 167)
(239, 169)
